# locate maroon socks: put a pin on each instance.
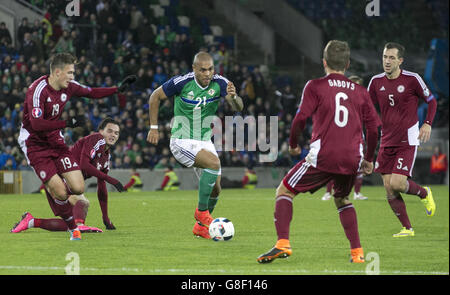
(283, 216)
(398, 206)
(347, 215)
(413, 188)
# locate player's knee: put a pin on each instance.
(214, 163)
(397, 186)
(283, 191)
(59, 192)
(85, 203)
(77, 189)
(341, 201)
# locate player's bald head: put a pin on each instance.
(203, 66)
(201, 57)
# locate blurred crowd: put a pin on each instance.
(114, 39)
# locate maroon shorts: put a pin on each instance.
(47, 163)
(397, 159)
(303, 177)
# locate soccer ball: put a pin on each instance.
(221, 229)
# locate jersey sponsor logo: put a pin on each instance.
(190, 95)
(36, 112)
(382, 88)
(400, 88)
(42, 174)
(63, 97)
(49, 99)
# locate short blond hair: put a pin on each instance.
(337, 55)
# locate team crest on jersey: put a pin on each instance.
(400, 88)
(63, 97)
(92, 154)
(36, 112)
(211, 92)
(42, 174)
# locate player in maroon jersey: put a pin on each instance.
(93, 154)
(397, 93)
(40, 136)
(359, 178)
(338, 108)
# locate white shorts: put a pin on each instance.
(185, 150)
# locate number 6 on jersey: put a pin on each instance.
(340, 109)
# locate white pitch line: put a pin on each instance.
(225, 271)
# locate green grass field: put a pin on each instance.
(154, 236)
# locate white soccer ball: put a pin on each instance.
(221, 229)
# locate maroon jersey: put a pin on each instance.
(43, 108)
(338, 108)
(94, 157)
(398, 100)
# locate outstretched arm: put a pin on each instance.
(100, 92)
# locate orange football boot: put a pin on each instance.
(357, 255)
(201, 231)
(204, 217)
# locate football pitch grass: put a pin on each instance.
(154, 236)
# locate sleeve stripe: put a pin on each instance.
(417, 76)
(303, 93)
(182, 78)
(374, 77)
(217, 76)
(75, 82)
(37, 93)
(99, 143)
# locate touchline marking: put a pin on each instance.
(227, 271)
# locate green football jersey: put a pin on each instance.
(195, 106)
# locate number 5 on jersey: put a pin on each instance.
(391, 100)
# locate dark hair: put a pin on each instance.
(337, 55)
(400, 48)
(106, 121)
(356, 79)
(59, 60)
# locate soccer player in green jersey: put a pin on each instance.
(196, 99)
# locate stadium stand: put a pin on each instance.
(114, 39)
(154, 39)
